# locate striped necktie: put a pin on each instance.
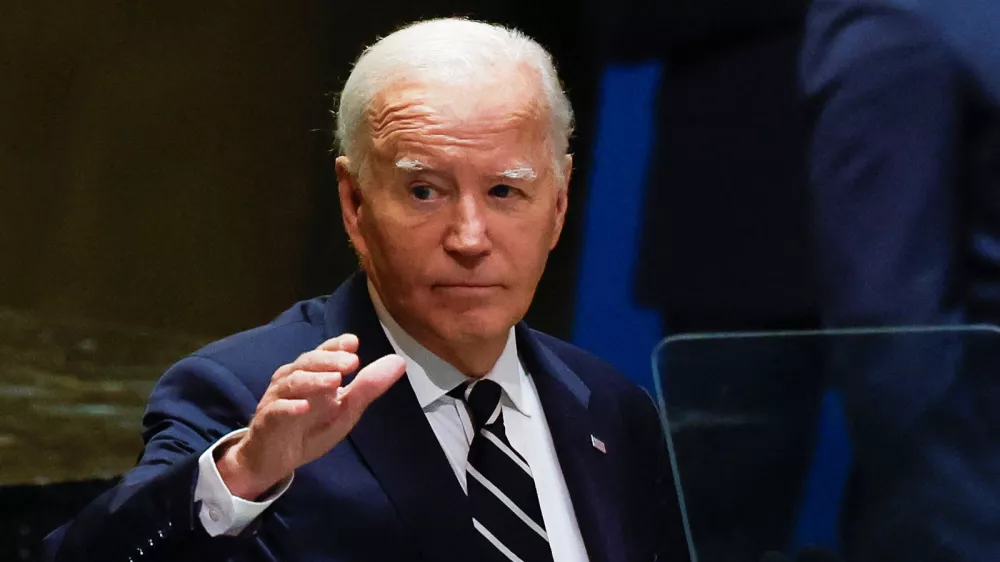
(501, 489)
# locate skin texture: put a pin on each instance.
(303, 414)
(453, 221)
(455, 248)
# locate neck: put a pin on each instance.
(472, 358)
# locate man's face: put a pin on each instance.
(459, 206)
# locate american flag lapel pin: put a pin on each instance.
(598, 444)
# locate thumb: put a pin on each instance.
(372, 381)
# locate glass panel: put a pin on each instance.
(864, 445)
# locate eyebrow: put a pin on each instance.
(408, 165)
(519, 173)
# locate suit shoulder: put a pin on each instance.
(591, 368)
(840, 37)
(255, 353)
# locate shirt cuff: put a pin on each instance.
(221, 512)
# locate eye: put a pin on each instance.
(502, 191)
(422, 192)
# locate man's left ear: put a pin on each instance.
(567, 170)
(350, 205)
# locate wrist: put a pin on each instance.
(238, 474)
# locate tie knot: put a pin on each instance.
(482, 397)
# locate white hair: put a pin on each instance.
(451, 51)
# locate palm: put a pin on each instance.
(304, 414)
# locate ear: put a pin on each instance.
(351, 205)
(562, 199)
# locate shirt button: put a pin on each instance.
(213, 512)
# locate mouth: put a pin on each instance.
(467, 288)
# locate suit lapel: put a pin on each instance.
(398, 445)
(569, 410)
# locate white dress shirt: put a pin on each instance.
(432, 379)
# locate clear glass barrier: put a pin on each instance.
(864, 445)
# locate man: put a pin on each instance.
(905, 97)
(301, 440)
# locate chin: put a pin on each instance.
(472, 325)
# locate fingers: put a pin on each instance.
(279, 410)
(307, 384)
(372, 381)
(321, 360)
(343, 342)
(306, 413)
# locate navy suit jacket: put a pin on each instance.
(387, 492)
(905, 159)
(905, 169)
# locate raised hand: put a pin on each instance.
(304, 413)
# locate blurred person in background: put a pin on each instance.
(724, 243)
(904, 96)
(500, 443)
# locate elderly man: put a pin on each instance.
(299, 441)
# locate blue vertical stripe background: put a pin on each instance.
(607, 320)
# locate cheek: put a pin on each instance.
(403, 247)
(527, 243)
(538, 227)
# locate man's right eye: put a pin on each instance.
(422, 192)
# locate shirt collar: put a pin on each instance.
(432, 377)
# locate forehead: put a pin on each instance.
(498, 118)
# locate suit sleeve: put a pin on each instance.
(882, 94)
(151, 514)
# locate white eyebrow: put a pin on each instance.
(411, 165)
(522, 173)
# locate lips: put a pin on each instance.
(466, 287)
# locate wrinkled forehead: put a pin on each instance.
(498, 112)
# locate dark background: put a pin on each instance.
(169, 165)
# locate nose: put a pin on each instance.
(467, 236)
